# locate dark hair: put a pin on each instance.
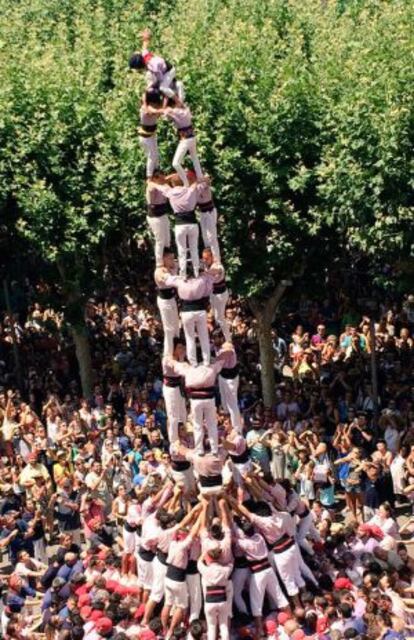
(196, 629)
(345, 610)
(155, 625)
(136, 62)
(153, 96)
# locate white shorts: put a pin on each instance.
(176, 594)
(158, 584)
(145, 573)
(130, 541)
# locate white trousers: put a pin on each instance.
(218, 303)
(288, 566)
(170, 322)
(166, 82)
(150, 146)
(186, 236)
(193, 581)
(187, 145)
(261, 583)
(160, 227)
(208, 224)
(241, 578)
(175, 409)
(217, 614)
(40, 551)
(158, 583)
(196, 321)
(228, 388)
(204, 411)
(130, 540)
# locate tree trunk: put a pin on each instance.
(75, 317)
(83, 356)
(264, 312)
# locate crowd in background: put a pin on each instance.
(349, 455)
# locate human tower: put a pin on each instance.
(184, 292)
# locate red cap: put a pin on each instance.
(96, 615)
(283, 617)
(343, 583)
(299, 634)
(86, 612)
(104, 625)
(270, 626)
(146, 634)
(377, 532)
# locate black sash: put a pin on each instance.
(219, 287)
(146, 555)
(206, 393)
(186, 132)
(180, 465)
(211, 481)
(242, 458)
(131, 528)
(172, 381)
(206, 206)
(176, 574)
(194, 305)
(162, 557)
(185, 217)
(283, 544)
(192, 567)
(157, 210)
(304, 514)
(258, 565)
(230, 372)
(240, 562)
(216, 594)
(166, 294)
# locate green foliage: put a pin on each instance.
(303, 110)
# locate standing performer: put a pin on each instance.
(220, 294)
(208, 216)
(166, 302)
(157, 215)
(263, 579)
(160, 74)
(228, 386)
(194, 295)
(172, 391)
(183, 121)
(148, 116)
(215, 582)
(199, 383)
(183, 202)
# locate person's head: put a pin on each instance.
(175, 180)
(384, 510)
(207, 256)
(196, 629)
(136, 62)
(179, 349)
(153, 97)
(168, 258)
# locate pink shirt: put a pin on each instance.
(214, 574)
(165, 538)
(207, 543)
(150, 533)
(239, 444)
(178, 552)
(207, 465)
(274, 526)
(254, 547)
(193, 289)
(229, 357)
(204, 193)
(182, 198)
(154, 194)
(200, 377)
(180, 116)
(156, 65)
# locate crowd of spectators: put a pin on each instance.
(70, 465)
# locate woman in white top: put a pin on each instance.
(384, 520)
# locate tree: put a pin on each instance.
(304, 117)
(69, 168)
